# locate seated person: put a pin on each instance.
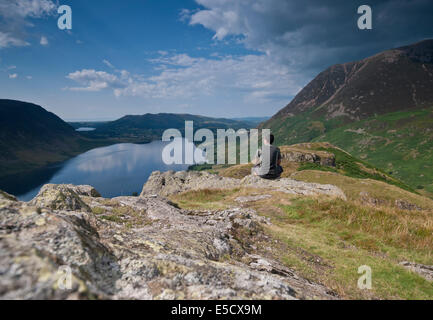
(267, 162)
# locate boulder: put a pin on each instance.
(298, 154)
(423, 270)
(63, 197)
(170, 183)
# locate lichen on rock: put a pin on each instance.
(64, 197)
(170, 183)
(6, 196)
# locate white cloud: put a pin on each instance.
(44, 41)
(93, 80)
(29, 77)
(175, 60)
(26, 8)
(13, 76)
(184, 15)
(7, 40)
(14, 17)
(183, 77)
(108, 63)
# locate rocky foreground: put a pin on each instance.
(144, 247)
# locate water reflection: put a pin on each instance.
(116, 170)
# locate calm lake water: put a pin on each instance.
(117, 170)
(85, 129)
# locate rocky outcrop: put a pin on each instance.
(6, 196)
(297, 154)
(423, 270)
(398, 203)
(64, 197)
(68, 243)
(37, 245)
(169, 183)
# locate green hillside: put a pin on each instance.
(401, 143)
(380, 109)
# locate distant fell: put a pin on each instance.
(149, 127)
(31, 137)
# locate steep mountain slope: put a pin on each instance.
(31, 137)
(393, 80)
(390, 93)
(148, 127)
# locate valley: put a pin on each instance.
(33, 139)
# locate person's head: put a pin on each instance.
(271, 139)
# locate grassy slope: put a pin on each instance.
(366, 190)
(345, 166)
(350, 166)
(399, 142)
(326, 240)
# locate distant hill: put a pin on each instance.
(149, 127)
(253, 120)
(379, 109)
(31, 137)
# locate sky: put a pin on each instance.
(222, 58)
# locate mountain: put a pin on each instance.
(379, 109)
(149, 127)
(31, 137)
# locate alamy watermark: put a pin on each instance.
(64, 281)
(365, 21)
(365, 280)
(223, 150)
(65, 20)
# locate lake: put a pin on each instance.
(117, 170)
(85, 129)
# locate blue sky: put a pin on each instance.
(237, 58)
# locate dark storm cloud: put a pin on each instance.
(311, 35)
